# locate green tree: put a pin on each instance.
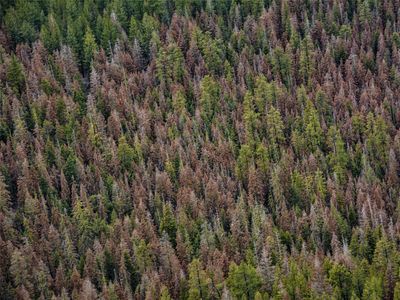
(132, 270)
(199, 282)
(373, 289)
(243, 161)
(323, 106)
(135, 30)
(396, 293)
(262, 158)
(108, 34)
(377, 144)
(209, 99)
(155, 7)
(15, 76)
(340, 277)
(70, 166)
(213, 52)
(243, 281)
(266, 93)
(306, 59)
(337, 157)
(170, 65)
(312, 127)
(4, 196)
(164, 295)
(168, 223)
(73, 41)
(23, 20)
(126, 154)
(281, 63)
(250, 117)
(296, 282)
(275, 132)
(50, 34)
(121, 12)
(148, 26)
(89, 49)
(360, 274)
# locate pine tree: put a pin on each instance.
(275, 132)
(312, 127)
(243, 281)
(155, 7)
(15, 76)
(168, 223)
(281, 63)
(126, 154)
(209, 99)
(306, 59)
(296, 282)
(23, 20)
(89, 49)
(243, 161)
(199, 283)
(340, 278)
(396, 294)
(108, 34)
(250, 118)
(164, 295)
(338, 158)
(4, 196)
(373, 288)
(377, 143)
(50, 34)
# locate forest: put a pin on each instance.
(199, 149)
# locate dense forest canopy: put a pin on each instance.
(199, 149)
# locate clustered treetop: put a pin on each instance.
(199, 149)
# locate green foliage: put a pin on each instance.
(132, 269)
(170, 63)
(312, 129)
(275, 129)
(296, 282)
(377, 143)
(266, 93)
(147, 147)
(243, 281)
(250, 117)
(4, 195)
(50, 34)
(306, 59)
(155, 7)
(373, 288)
(108, 33)
(199, 283)
(340, 278)
(165, 294)
(23, 20)
(89, 49)
(281, 62)
(396, 293)
(209, 99)
(15, 76)
(127, 155)
(70, 166)
(89, 225)
(243, 161)
(168, 223)
(338, 158)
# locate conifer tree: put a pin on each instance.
(15, 76)
(243, 281)
(89, 49)
(199, 283)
